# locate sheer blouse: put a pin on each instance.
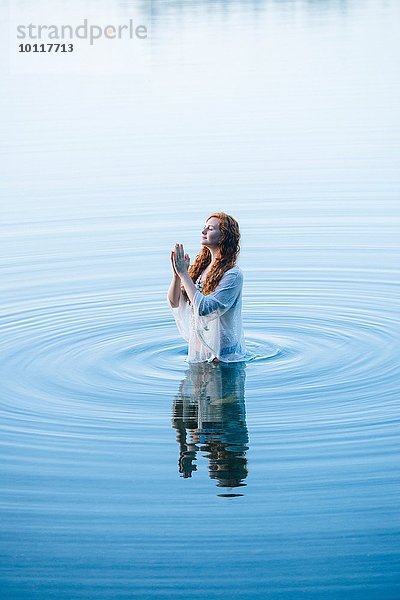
(212, 324)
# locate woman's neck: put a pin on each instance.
(215, 254)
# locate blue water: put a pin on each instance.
(125, 473)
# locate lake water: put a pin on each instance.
(124, 473)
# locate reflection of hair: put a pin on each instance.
(227, 465)
(229, 249)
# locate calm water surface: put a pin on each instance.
(124, 472)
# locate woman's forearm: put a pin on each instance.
(174, 291)
(188, 284)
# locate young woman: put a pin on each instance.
(206, 297)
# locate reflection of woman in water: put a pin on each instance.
(209, 416)
(206, 297)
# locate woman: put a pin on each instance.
(206, 297)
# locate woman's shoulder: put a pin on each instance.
(234, 273)
(235, 269)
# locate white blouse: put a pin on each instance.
(212, 325)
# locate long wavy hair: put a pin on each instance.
(229, 249)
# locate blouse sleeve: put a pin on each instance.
(214, 305)
(182, 316)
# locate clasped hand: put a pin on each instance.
(180, 261)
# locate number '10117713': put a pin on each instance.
(45, 48)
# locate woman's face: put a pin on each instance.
(211, 235)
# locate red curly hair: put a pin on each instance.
(229, 249)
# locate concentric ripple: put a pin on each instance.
(109, 357)
(99, 357)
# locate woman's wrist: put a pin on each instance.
(184, 275)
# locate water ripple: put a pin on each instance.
(110, 359)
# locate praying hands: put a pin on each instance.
(180, 261)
